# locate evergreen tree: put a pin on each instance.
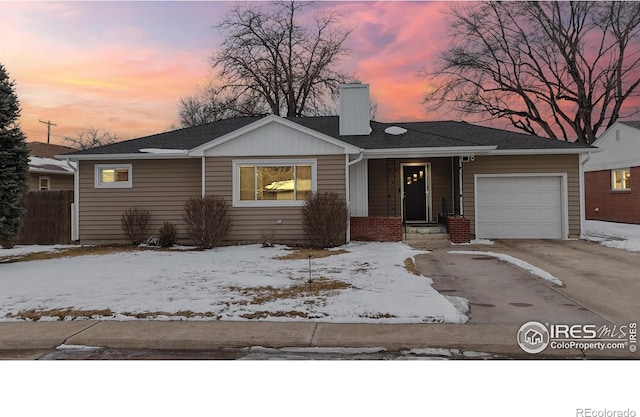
(14, 163)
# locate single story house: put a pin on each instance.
(509, 185)
(612, 188)
(46, 172)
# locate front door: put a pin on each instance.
(415, 193)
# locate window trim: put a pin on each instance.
(271, 162)
(98, 168)
(613, 179)
(40, 183)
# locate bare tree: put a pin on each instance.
(269, 58)
(559, 69)
(91, 137)
(210, 103)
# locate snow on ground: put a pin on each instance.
(514, 261)
(615, 235)
(225, 281)
(20, 250)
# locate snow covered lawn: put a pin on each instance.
(369, 284)
(615, 235)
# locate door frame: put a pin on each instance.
(427, 170)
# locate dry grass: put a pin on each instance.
(378, 316)
(60, 313)
(266, 314)
(320, 286)
(410, 266)
(69, 313)
(185, 314)
(85, 250)
(315, 253)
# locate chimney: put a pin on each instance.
(354, 109)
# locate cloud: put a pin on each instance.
(391, 43)
(122, 80)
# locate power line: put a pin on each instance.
(49, 124)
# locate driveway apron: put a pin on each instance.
(499, 292)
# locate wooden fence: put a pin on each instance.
(47, 218)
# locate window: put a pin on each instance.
(113, 176)
(273, 183)
(44, 184)
(620, 179)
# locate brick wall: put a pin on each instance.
(613, 206)
(459, 229)
(376, 229)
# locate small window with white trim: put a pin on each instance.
(266, 183)
(113, 176)
(621, 179)
(44, 183)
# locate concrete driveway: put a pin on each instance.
(600, 284)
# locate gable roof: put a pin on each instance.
(187, 138)
(47, 150)
(438, 134)
(42, 158)
(631, 123)
(449, 135)
(288, 122)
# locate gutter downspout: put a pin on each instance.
(203, 177)
(460, 185)
(348, 186)
(75, 206)
(585, 159)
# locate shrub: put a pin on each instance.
(324, 219)
(167, 235)
(267, 238)
(207, 220)
(135, 224)
(8, 243)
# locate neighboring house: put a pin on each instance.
(509, 185)
(46, 172)
(612, 185)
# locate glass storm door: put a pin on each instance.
(415, 193)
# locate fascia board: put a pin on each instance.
(428, 152)
(564, 151)
(123, 156)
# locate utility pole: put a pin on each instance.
(49, 124)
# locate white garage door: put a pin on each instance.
(519, 207)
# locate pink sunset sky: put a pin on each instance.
(123, 66)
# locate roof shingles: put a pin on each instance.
(419, 135)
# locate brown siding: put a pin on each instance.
(384, 188)
(250, 223)
(378, 181)
(160, 186)
(57, 182)
(521, 164)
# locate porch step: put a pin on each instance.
(427, 229)
(426, 233)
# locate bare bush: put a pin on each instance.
(267, 238)
(324, 219)
(167, 235)
(135, 224)
(207, 220)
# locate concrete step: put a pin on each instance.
(426, 237)
(426, 229)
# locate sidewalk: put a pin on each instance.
(39, 337)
